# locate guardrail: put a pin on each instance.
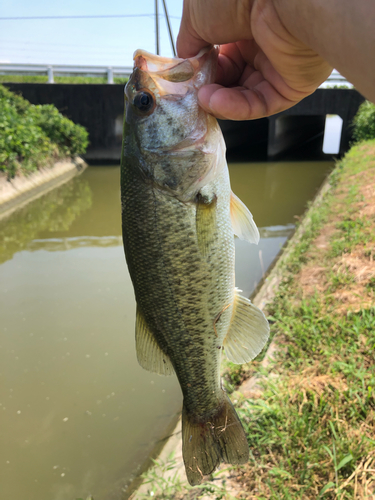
(53, 70)
(110, 72)
(335, 79)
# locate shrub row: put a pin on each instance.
(32, 136)
(364, 122)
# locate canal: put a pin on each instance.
(78, 416)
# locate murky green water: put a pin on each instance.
(78, 416)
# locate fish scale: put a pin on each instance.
(177, 290)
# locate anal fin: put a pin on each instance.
(242, 221)
(150, 356)
(248, 331)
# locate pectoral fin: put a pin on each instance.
(242, 221)
(248, 331)
(206, 223)
(149, 354)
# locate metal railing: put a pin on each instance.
(52, 70)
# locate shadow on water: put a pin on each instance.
(78, 415)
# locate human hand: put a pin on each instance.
(262, 68)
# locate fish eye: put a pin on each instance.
(143, 101)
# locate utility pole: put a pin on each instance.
(157, 26)
(169, 27)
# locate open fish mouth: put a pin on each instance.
(177, 71)
(171, 69)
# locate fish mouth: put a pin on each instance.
(168, 68)
(176, 75)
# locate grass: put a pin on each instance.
(311, 428)
(163, 481)
(59, 79)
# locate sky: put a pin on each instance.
(92, 42)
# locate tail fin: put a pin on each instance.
(219, 439)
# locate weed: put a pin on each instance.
(340, 280)
(234, 375)
(371, 284)
(163, 480)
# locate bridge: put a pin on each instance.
(52, 70)
(297, 133)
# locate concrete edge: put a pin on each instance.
(263, 297)
(21, 190)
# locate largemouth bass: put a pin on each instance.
(179, 218)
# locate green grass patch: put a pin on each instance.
(313, 426)
(350, 234)
(311, 432)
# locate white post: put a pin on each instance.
(110, 75)
(50, 74)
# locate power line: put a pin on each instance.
(30, 45)
(67, 51)
(78, 17)
(29, 42)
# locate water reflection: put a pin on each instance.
(61, 244)
(253, 261)
(53, 212)
(277, 193)
(78, 415)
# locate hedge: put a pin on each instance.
(364, 122)
(33, 136)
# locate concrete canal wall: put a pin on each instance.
(20, 190)
(293, 134)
